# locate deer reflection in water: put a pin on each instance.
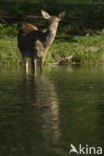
(45, 101)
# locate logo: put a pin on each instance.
(85, 150)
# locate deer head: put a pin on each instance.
(53, 20)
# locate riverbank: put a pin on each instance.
(83, 49)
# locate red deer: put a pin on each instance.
(34, 43)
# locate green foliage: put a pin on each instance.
(85, 49)
(9, 52)
(82, 8)
(10, 30)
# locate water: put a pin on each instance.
(43, 115)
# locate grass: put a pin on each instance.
(9, 52)
(85, 49)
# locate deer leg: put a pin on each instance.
(41, 64)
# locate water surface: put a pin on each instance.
(42, 115)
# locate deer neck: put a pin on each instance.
(50, 36)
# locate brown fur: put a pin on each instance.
(28, 28)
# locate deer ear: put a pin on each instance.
(61, 15)
(45, 14)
